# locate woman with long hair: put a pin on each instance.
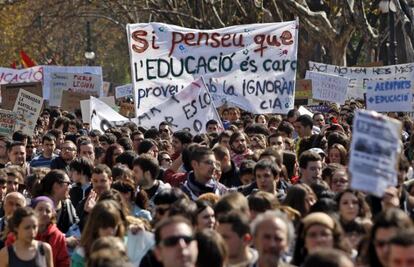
(337, 154)
(386, 225)
(105, 219)
(48, 231)
(112, 153)
(25, 251)
(301, 198)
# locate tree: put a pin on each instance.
(333, 31)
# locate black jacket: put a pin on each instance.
(66, 216)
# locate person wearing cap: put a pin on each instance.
(318, 231)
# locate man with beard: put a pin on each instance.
(17, 156)
(200, 180)
(101, 182)
(272, 233)
(146, 170)
(239, 148)
(310, 164)
(67, 154)
(180, 140)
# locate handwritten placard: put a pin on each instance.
(251, 66)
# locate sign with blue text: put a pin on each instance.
(250, 66)
(390, 96)
(359, 76)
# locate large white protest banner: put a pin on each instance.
(102, 115)
(27, 109)
(328, 87)
(250, 66)
(7, 122)
(88, 84)
(387, 96)
(190, 109)
(33, 74)
(124, 91)
(49, 70)
(375, 151)
(86, 111)
(358, 76)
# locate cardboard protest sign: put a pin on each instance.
(27, 109)
(33, 74)
(7, 122)
(89, 84)
(189, 109)
(124, 91)
(106, 87)
(86, 110)
(9, 92)
(251, 66)
(303, 89)
(71, 100)
(375, 151)
(49, 70)
(358, 76)
(103, 116)
(328, 87)
(388, 96)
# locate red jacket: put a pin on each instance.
(56, 240)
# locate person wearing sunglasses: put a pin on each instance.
(175, 243)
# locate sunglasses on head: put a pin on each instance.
(173, 240)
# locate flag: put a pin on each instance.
(27, 62)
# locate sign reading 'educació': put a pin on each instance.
(251, 66)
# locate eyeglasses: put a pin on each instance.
(173, 240)
(167, 159)
(164, 131)
(65, 182)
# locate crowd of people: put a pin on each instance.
(267, 190)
